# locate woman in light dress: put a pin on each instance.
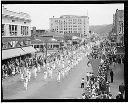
(29, 75)
(26, 82)
(50, 72)
(58, 76)
(45, 75)
(35, 71)
(38, 68)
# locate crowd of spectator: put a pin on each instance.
(98, 87)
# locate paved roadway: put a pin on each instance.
(69, 87)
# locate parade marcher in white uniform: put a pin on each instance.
(35, 71)
(45, 75)
(26, 82)
(50, 72)
(29, 74)
(102, 61)
(21, 74)
(13, 71)
(58, 77)
(38, 67)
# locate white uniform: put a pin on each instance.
(50, 71)
(38, 68)
(102, 61)
(63, 73)
(58, 77)
(45, 74)
(26, 83)
(35, 72)
(13, 72)
(29, 75)
(22, 77)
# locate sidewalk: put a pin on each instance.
(117, 79)
(118, 76)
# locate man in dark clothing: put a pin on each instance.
(119, 96)
(121, 88)
(111, 74)
(82, 83)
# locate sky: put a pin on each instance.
(99, 14)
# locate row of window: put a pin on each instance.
(70, 23)
(57, 26)
(68, 29)
(13, 30)
(75, 31)
(69, 20)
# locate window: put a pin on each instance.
(3, 32)
(13, 30)
(13, 20)
(24, 30)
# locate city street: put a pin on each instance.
(65, 52)
(69, 87)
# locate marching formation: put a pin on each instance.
(57, 66)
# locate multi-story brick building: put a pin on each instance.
(118, 25)
(70, 24)
(16, 33)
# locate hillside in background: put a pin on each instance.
(101, 29)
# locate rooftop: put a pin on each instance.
(70, 16)
(21, 15)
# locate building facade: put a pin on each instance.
(15, 29)
(118, 25)
(43, 40)
(16, 33)
(70, 24)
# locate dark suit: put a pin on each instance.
(111, 74)
(121, 88)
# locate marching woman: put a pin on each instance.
(35, 71)
(22, 73)
(25, 76)
(28, 74)
(50, 72)
(45, 75)
(26, 82)
(58, 76)
(63, 72)
(13, 71)
(38, 67)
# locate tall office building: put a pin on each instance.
(118, 24)
(70, 24)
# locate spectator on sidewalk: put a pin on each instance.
(87, 75)
(119, 96)
(122, 88)
(111, 75)
(82, 83)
